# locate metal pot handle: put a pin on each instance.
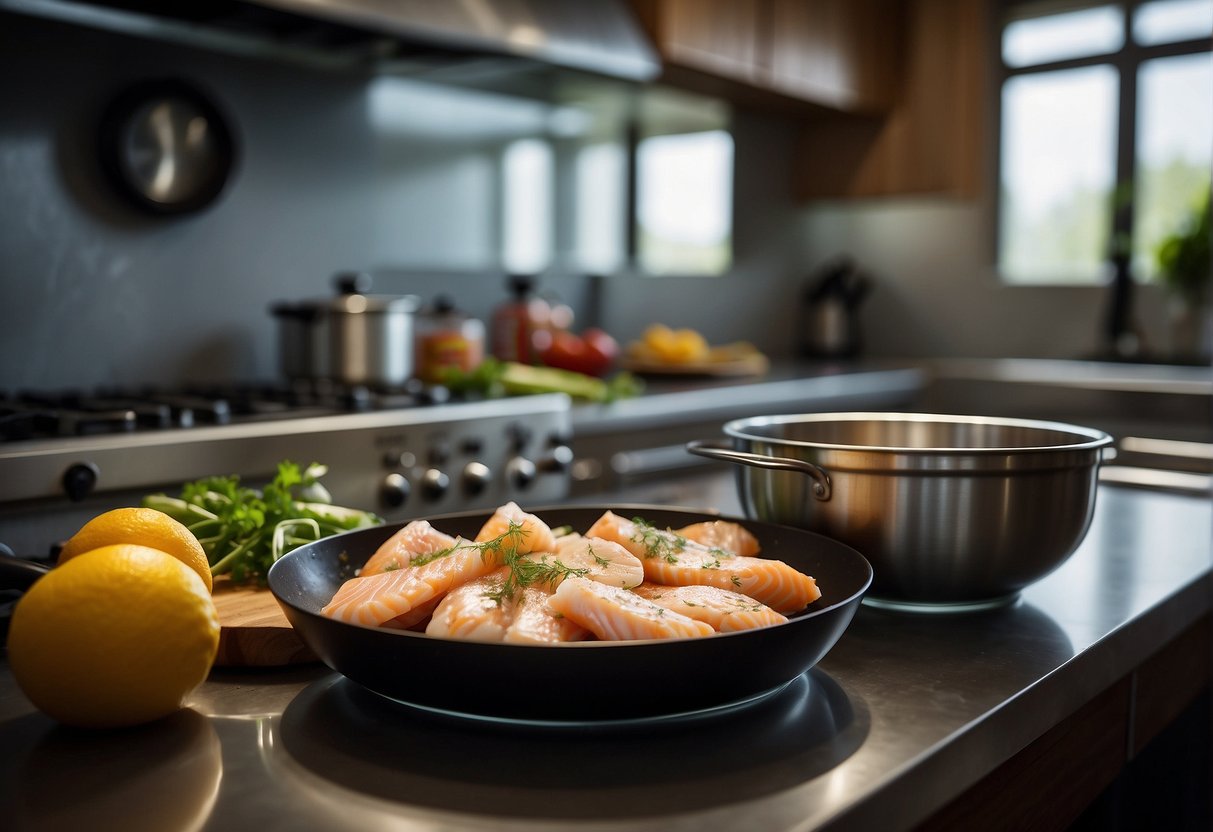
(717, 450)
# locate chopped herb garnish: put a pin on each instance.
(598, 559)
(658, 544)
(736, 581)
(524, 572)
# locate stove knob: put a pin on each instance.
(394, 491)
(559, 459)
(521, 472)
(434, 484)
(476, 478)
(79, 480)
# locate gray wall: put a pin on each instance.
(94, 293)
(329, 178)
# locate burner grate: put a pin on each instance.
(30, 415)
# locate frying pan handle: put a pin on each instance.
(16, 573)
(717, 450)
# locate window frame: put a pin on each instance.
(1127, 62)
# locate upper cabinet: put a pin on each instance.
(844, 54)
(888, 93)
(785, 53)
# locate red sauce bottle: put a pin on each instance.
(516, 321)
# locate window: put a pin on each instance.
(684, 203)
(527, 214)
(1106, 134)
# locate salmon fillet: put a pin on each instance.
(603, 560)
(615, 614)
(415, 618)
(377, 599)
(671, 559)
(475, 611)
(531, 535)
(724, 610)
(722, 534)
(471, 612)
(535, 622)
(399, 550)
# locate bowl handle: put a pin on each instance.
(716, 450)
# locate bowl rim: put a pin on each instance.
(1091, 439)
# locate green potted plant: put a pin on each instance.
(1185, 270)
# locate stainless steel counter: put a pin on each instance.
(903, 715)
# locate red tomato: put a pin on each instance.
(604, 348)
(592, 354)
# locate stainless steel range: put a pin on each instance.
(65, 457)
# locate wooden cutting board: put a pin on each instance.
(255, 632)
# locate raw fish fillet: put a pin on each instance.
(377, 599)
(617, 614)
(470, 612)
(604, 561)
(474, 612)
(399, 550)
(722, 534)
(724, 610)
(671, 559)
(535, 622)
(534, 535)
(414, 618)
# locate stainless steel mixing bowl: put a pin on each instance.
(951, 511)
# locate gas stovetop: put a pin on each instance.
(49, 414)
(403, 453)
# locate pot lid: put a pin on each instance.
(353, 298)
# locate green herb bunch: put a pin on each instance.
(1185, 265)
(245, 530)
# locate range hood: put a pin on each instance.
(602, 37)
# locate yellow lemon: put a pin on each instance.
(675, 346)
(117, 636)
(143, 527)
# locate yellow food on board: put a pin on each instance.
(674, 346)
(143, 527)
(116, 636)
(663, 345)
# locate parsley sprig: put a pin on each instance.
(244, 530)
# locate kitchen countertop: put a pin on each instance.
(906, 713)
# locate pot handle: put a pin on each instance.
(716, 450)
(16, 573)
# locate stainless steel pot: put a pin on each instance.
(353, 338)
(302, 339)
(950, 510)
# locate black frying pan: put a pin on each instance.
(583, 681)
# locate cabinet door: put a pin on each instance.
(931, 140)
(839, 53)
(718, 37)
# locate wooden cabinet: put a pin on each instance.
(932, 138)
(786, 54)
(844, 54)
(719, 38)
(889, 94)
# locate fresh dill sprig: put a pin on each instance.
(657, 543)
(525, 571)
(514, 532)
(598, 559)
